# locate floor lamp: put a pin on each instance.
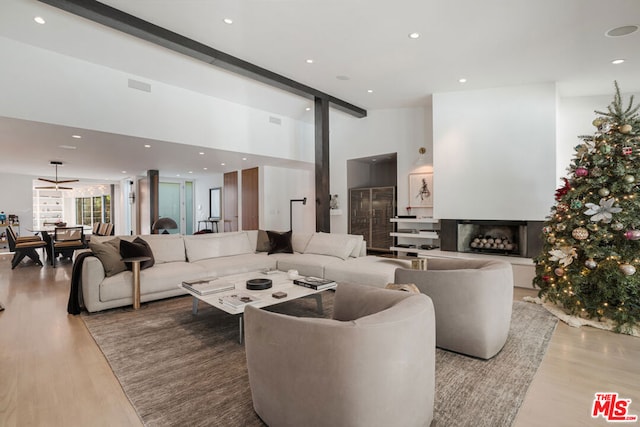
(291, 202)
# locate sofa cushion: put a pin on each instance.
(214, 245)
(280, 243)
(369, 270)
(109, 255)
(263, 245)
(299, 241)
(161, 278)
(333, 244)
(166, 247)
(137, 248)
(225, 266)
(306, 264)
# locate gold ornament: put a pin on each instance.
(597, 122)
(625, 129)
(629, 179)
(580, 233)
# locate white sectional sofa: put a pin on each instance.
(339, 257)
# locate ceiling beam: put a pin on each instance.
(132, 25)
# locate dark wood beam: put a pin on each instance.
(323, 219)
(132, 25)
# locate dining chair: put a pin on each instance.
(65, 240)
(24, 247)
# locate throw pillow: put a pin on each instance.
(263, 244)
(332, 244)
(134, 249)
(280, 243)
(109, 255)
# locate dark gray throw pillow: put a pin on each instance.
(137, 248)
(109, 255)
(280, 243)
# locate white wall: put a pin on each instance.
(401, 130)
(277, 187)
(76, 93)
(495, 153)
(16, 197)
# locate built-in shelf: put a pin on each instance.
(415, 232)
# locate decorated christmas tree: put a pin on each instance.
(590, 262)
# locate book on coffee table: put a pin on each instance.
(238, 300)
(208, 285)
(315, 283)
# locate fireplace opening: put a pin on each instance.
(496, 237)
(492, 237)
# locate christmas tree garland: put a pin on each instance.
(590, 262)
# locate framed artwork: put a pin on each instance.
(421, 190)
(215, 203)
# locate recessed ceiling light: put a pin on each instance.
(244, 158)
(462, 80)
(223, 164)
(621, 31)
(370, 90)
(308, 109)
(414, 35)
(147, 146)
(228, 21)
(204, 169)
(68, 147)
(190, 171)
(201, 153)
(309, 61)
(39, 19)
(76, 136)
(177, 174)
(124, 171)
(617, 61)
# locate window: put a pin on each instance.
(93, 209)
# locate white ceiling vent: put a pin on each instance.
(135, 84)
(275, 120)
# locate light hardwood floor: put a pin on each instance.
(53, 374)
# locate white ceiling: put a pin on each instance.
(491, 43)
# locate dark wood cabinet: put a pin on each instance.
(370, 211)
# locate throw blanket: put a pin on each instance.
(76, 304)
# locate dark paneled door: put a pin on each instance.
(250, 198)
(230, 204)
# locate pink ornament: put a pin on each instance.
(582, 171)
(559, 271)
(627, 151)
(632, 234)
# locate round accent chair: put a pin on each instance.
(473, 300)
(372, 364)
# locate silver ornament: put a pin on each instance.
(604, 192)
(590, 264)
(628, 269)
(617, 226)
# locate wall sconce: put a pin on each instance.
(291, 202)
(421, 160)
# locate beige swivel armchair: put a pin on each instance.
(473, 300)
(372, 364)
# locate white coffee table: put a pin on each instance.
(280, 283)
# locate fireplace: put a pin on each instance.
(492, 237)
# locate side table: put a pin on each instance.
(135, 269)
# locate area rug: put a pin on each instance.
(181, 369)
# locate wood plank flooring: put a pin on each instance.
(53, 374)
